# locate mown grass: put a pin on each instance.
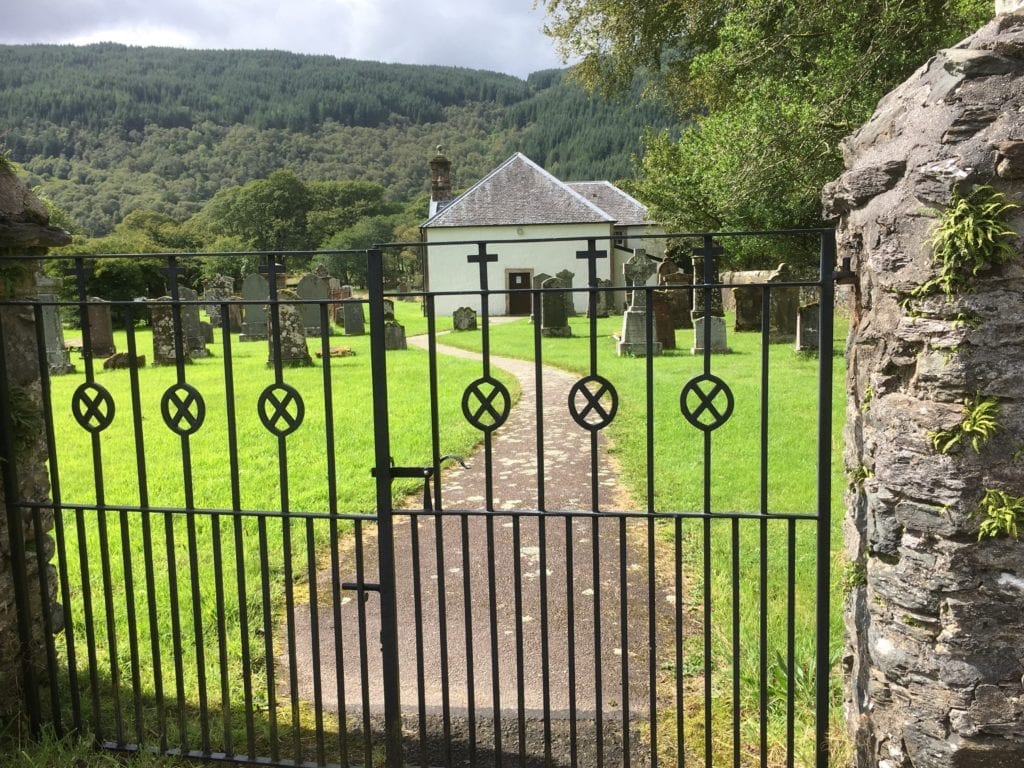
(750, 564)
(185, 545)
(213, 591)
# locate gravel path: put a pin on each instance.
(530, 577)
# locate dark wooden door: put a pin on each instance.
(519, 303)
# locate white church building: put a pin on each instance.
(518, 203)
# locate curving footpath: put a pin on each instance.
(532, 579)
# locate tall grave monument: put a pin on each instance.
(633, 340)
(708, 312)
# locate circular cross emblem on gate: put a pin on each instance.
(486, 404)
(281, 409)
(93, 407)
(593, 402)
(183, 409)
(706, 402)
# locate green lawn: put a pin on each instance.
(736, 486)
(188, 548)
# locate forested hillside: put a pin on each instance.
(102, 130)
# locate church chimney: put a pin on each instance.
(440, 181)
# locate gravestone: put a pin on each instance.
(389, 309)
(633, 339)
(464, 319)
(566, 277)
(57, 357)
(808, 320)
(291, 343)
(234, 316)
(708, 313)
(207, 331)
(678, 286)
(747, 301)
(355, 322)
(334, 297)
(215, 292)
(666, 332)
(254, 324)
(394, 335)
(195, 341)
(161, 316)
(538, 281)
(101, 329)
(553, 318)
(602, 299)
(311, 287)
(784, 304)
(344, 293)
(718, 342)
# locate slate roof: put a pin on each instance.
(519, 192)
(625, 209)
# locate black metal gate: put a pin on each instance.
(232, 588)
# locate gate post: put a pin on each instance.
(385, 526)
(822, 675)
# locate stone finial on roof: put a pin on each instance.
(440, 177)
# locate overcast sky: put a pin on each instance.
(500, 35)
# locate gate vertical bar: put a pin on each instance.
(824, 550)
(16, 542)
(385, 532)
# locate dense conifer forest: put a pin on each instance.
(104, 130)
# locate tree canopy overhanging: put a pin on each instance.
(769, 88)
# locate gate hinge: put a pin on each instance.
(844, 275)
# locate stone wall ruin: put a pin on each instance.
(935, 616)
(24, 231)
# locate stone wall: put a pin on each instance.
(935, 616)
(23, 232)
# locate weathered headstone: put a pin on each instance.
(57, 357)
(389, 309)
(808, 320)
(666, 332)
(708, 313)
(784, 303)
(602, 299)
(538, 282)
(207, 331)
(633, 339)
(566, 277)
(234, 316)
(554, 321)
(394, 335)
(101, 329)
(215, 292)
(334, 297)
(161, 315)
(311, 287)
(464, 319)
(679, 288)
(747, 299)
(195, 341)
(355, 322)
(291, 342)
(255, 294)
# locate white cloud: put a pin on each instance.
(502, 35)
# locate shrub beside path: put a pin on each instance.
(450, 557)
